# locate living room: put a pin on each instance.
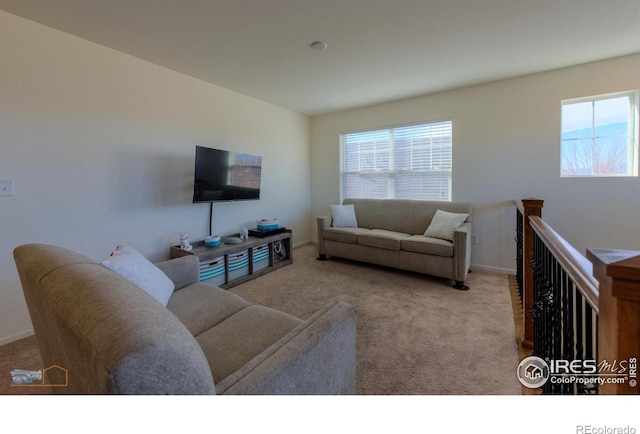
(100, 147)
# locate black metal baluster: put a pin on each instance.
(565, 325)
(556, 319)
(568, 325)
(547, 299)
(590, 346)
(536, 313)
(580, 331)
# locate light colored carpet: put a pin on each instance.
(416, 334)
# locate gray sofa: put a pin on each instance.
(390, 232)
(110, 336)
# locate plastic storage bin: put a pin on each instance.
(238, 264)
(212, 271)
(260, 257)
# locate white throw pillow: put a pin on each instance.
(130, 264)
(444, 224)
(344, 216)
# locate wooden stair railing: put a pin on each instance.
(618, 272)
(527, 208)
(609, 282)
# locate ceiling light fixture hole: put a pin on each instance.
(318, 45)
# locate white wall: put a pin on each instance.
(506, 138)
(100, 146)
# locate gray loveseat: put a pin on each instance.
(391, 232)
(110, 336)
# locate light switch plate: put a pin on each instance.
(6, 188)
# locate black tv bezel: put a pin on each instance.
(236, 199)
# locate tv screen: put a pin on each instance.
(226, 176)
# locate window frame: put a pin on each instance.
(446, 124)
(632, 150)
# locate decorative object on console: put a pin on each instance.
(244, 234)
(232, 240)
(130, 264)
(212, 241)
(268, 224)
(279, 250)
(184, 242)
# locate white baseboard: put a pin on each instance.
(296, 245)
(490, 269)
(16, 337)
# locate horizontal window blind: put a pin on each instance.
(403, 162)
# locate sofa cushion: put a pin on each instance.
(130, 264)
(382, 239)
(243, 336)
(444, 224)
(344, 235)
(201, 306)
(343, 216)
(427, 245)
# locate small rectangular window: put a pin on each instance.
(600, 136)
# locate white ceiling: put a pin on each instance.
(378, 50)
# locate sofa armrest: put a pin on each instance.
(323, 222)
(462, 252)
(317, 357)
(183, 271)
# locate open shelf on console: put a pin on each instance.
(228, 265)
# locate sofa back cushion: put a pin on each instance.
(107, 333)
(402, 215)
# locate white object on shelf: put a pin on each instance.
(184, 242)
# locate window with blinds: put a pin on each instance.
(403, 162)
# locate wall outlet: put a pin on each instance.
(474, 239)
(6, 188)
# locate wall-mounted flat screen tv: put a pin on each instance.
(226, 176)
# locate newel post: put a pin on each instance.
(531, 207)
(618, 274)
